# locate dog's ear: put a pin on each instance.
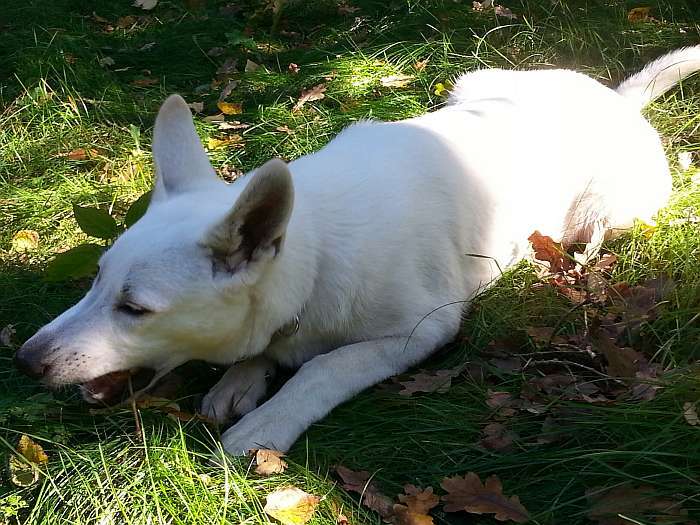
(254, 229)
(181, 162)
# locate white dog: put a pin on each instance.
(332, 262)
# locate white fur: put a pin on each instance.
(382, 227)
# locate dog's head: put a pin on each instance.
(180, 284)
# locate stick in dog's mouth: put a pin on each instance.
(113, 388)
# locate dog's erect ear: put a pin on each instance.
(181, 162)
(254, 228)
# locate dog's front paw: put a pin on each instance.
(237, 392)
(260, 430)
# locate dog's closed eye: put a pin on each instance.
(132, 309)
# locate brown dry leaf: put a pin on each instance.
(639, 14)
(418, 500)
(251, 66)
(550, 252)
(497, 437)
(269, 462)
(360, 483)
(468, 494)
(293, 68)
(420, 65)
(80, 154)
(497, 400)
(396, 80)
(197, 107)
(622, 362)
(439, 381)
(215, 118)
(690, 414)
(309, 95)
(26, 473)
(540, 334)
(230, 108)
(6, 335)
(291, 505)
(125, 22)
(633, 502)
(606, 262)
(24, 241)
(284, 129)
(144, 82)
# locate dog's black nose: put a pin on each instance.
(29, 359)
(33, 368)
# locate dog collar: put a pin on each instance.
(290, 328)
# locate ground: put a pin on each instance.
(80, 84)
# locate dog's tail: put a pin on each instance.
(659, 76)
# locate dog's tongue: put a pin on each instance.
(112, 388)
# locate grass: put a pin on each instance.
(56, 97)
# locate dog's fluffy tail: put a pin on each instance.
(659, 76)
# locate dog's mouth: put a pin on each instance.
(115, 387)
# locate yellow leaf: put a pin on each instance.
(25, 240)
(231, 140)
(639, 14)
(441, 90)
(291, 506)
(230, 108)
(396, 80)
(32, 451)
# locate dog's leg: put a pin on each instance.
(239, 390)
(323, 383)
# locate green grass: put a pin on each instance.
(56, 97)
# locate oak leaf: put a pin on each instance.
(439, 381)
(269, 462)
(469, 494)
(309, 95)
(550, 253)
(360, 483)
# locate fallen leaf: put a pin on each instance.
(251, 66)
(360, 483)
(550, 252)
(227, 141)
(309, 95)
(469, 494)
(439, 381)
(293, 68)
(26, 473)
(105, 61)
(6, 335)
(609, 505)
(233, 125)
(215, 118)
(227, 68)
(230, 108)
(80, 154)
(25, 240)
(125, 22)
(540, 334)
(228, 89)
(269, 462)
(291, 505)
(607, 261)
(418, 500)
(143, 82)
(31, 450)
(690, 414)
(396, 80)
(146, 5)
(442, 89)
(499, 10)
(497, 437)
(685, 160)
(420, 65)
(197, 107)
(639, 14)
(498, 399)
(284, 129)
(216, 51)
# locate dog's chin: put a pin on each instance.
(115, 387)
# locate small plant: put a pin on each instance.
(81, 261)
